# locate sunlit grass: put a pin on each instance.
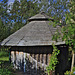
(4, 58)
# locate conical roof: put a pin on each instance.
(39, 17)
(37, 32)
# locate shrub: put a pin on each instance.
(5, 72)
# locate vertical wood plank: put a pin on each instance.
(17, 60)
(44, 58)
(33, 64)
(49, 55)
(44, 61)
(21, 59)
(10, 56)
(40, 58)
(37, 57)
(24, 62)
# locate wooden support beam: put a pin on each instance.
(37, 57)
(44, 58)
(17, 59)
(14, 60)
(32, 55)
(21, 59)
(10, 56)
(24, 62)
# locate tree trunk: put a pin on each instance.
(73, 58)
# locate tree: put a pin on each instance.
(3, 20)
(53, 8)
(21, 11)
(68, 30)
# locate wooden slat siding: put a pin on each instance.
(32, 55)
(19, 61)
(9, 55)
(12, 57)
(37, 57)
(37, 60)
(15, 59)
(24, 62)
(40, 58)
(28, 56)
(46, 59)
(32, 61)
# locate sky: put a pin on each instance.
(9, 1)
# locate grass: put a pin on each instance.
(5, 66)
(4, 58)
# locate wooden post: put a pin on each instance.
(40, 58)
(14, 59)
(44, 61)
(33, 61)
(24, 62)
(17, 59)
(73, 60)
(36, 58)
(21, 54)
(10, 56)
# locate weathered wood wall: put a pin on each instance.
(35, 59)
(23, 61)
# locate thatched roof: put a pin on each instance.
(36, 32)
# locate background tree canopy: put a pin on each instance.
(14, 16)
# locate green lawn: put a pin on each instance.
(4, 58)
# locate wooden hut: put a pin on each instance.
(32, 44)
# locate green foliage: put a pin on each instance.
(5, 72)
(20, 12)
(70, 73)
(6, 69)
(67, 73)
(4, 32)
(68, 30)
(4, 54)
(54, 8)
(4, 58)
(53, 59)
